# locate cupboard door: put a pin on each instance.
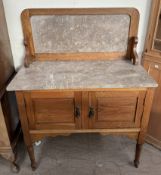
(154, 129)
(53, 110)
(115, 109)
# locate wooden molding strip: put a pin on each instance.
(128, 130)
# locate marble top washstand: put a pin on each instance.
(64, 75)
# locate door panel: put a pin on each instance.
(53, 110)
(116, 109)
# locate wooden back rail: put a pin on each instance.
(31, 54)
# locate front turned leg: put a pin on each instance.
(15, 168)
(144, 124)
(10, 156)
(30, 150)
(137, 154)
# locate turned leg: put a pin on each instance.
(144, 124)
(137, 154)
(10, 156)
(25, 127)
(30, 150)
(15, 168)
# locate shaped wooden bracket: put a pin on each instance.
(134, 55)
(27, 59)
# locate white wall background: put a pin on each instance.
(13, 10)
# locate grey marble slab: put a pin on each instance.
(81, 74)
(80, 33)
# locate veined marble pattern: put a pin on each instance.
(81, 75)
(80, 33)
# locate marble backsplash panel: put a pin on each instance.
(80, 33)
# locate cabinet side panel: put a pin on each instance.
(4, 139)
(6, 60)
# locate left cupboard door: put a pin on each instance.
(53, 110)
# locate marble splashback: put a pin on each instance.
(80, 33)
(66, 75)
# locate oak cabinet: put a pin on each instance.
(77, 85)
(152, 63)
(154, 129)
(115, 111)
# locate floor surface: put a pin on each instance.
(87, 154)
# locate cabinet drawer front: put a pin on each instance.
(116, 109)
(53, 110)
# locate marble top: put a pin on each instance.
(81, 75)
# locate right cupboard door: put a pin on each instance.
(115, 109)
